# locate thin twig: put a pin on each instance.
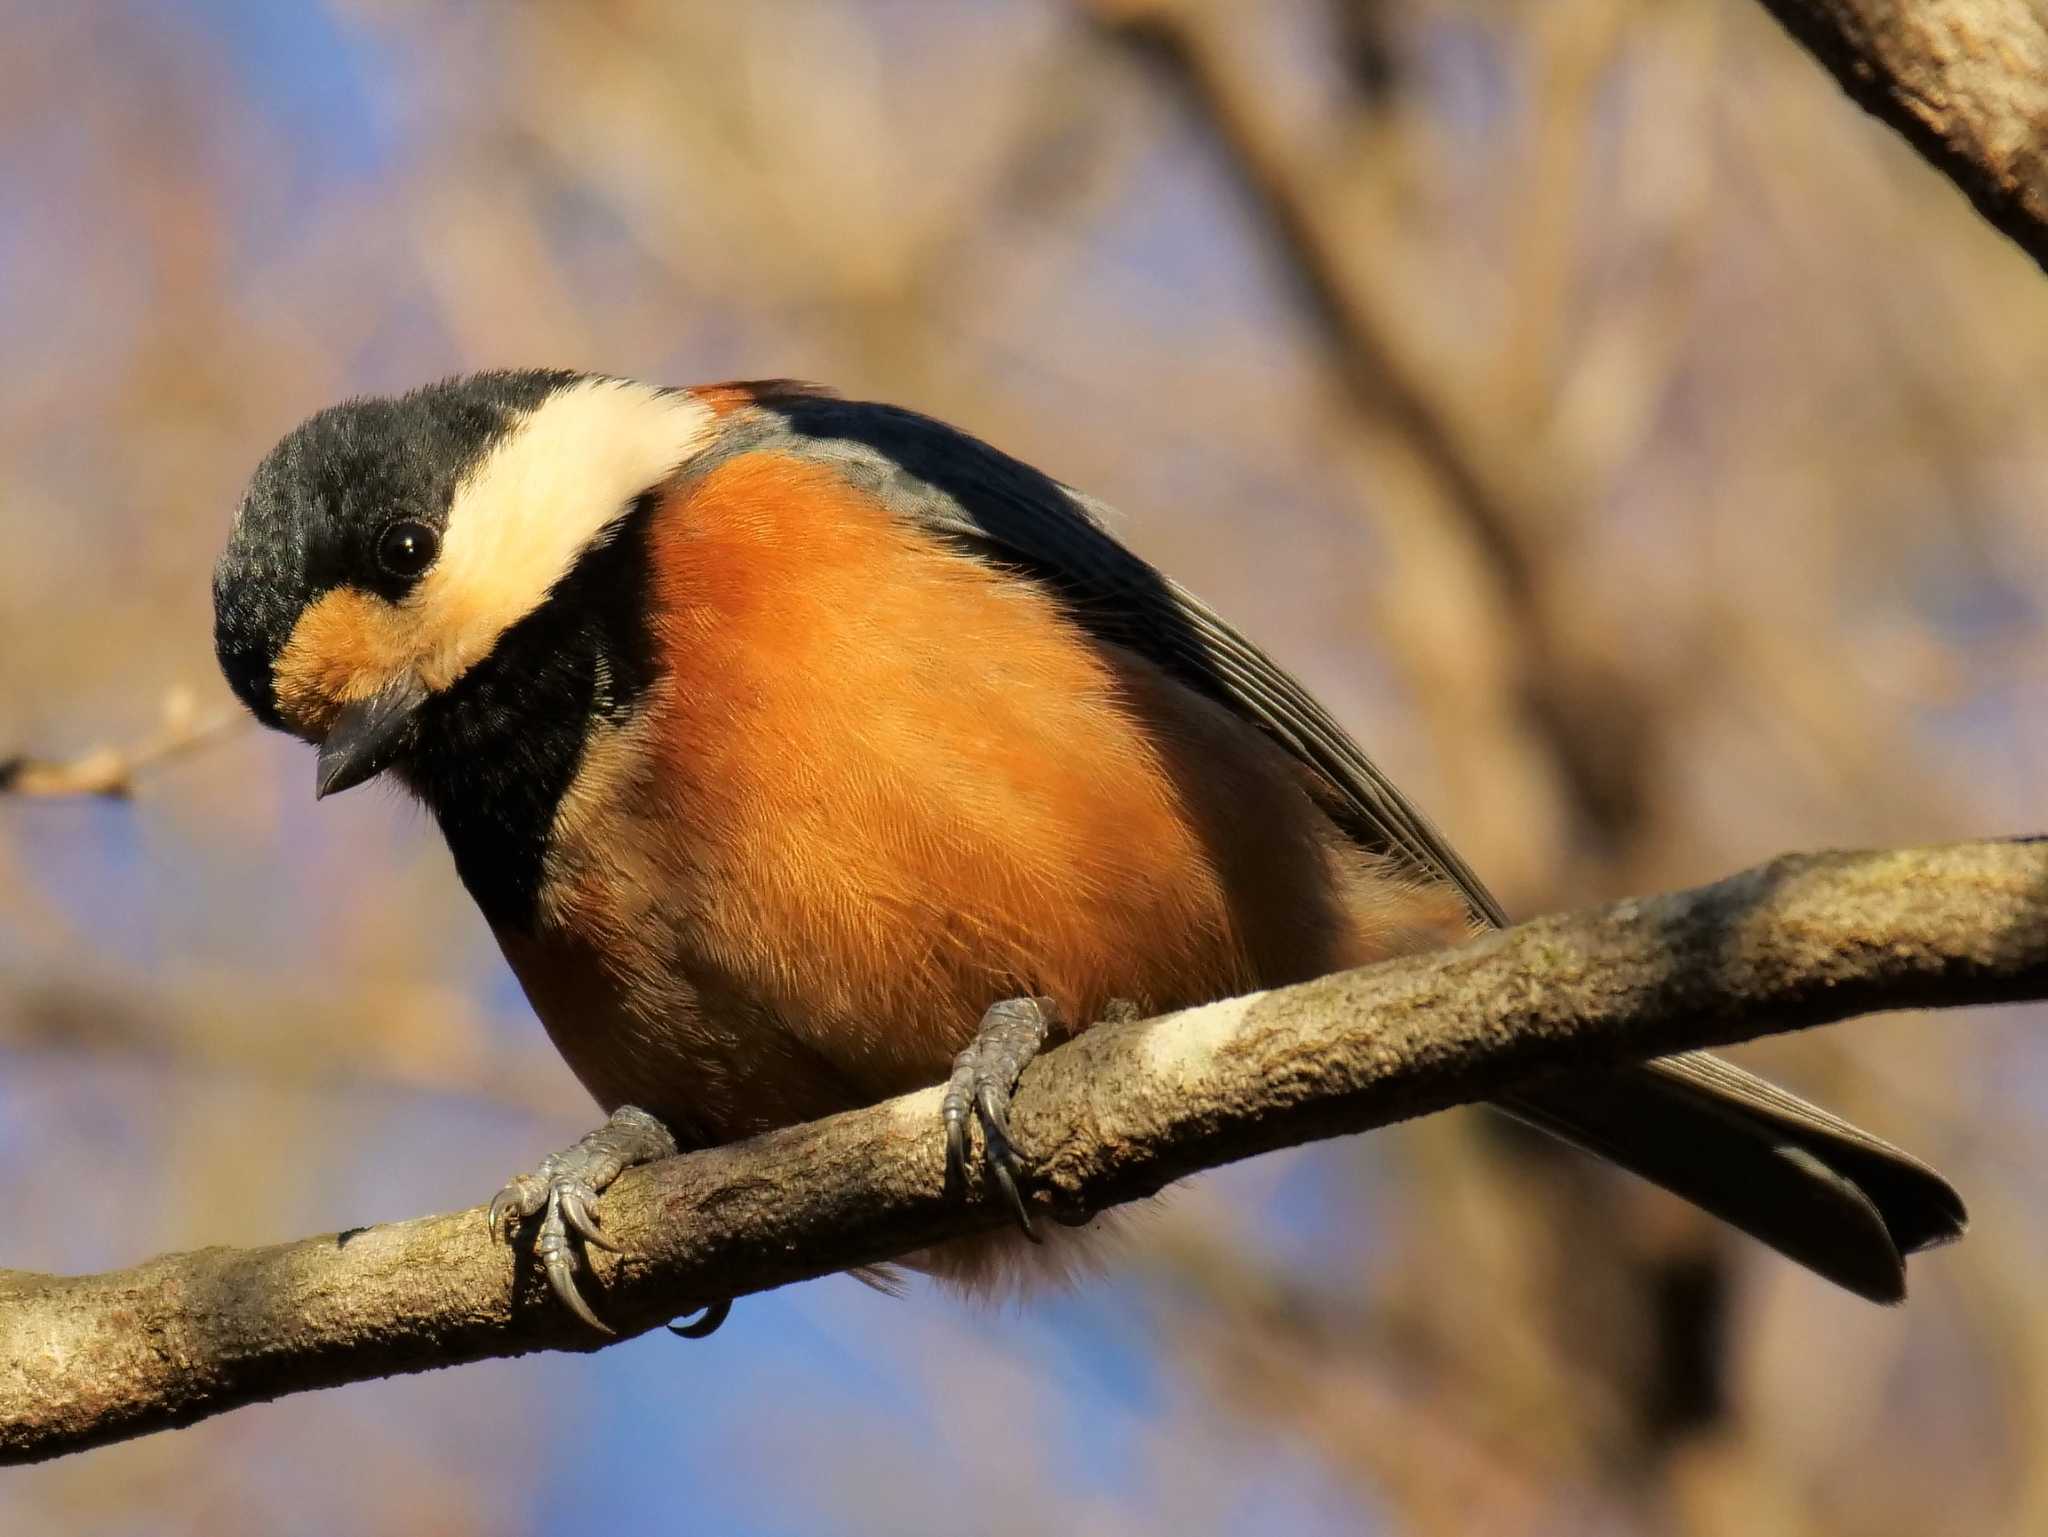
(112, 772)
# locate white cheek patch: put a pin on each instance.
(529, 509)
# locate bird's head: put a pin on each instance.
(387, 545)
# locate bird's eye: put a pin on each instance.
(406, 548)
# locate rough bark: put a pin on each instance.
(1965, 82)
(1110, 1117)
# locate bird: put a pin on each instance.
(800, 752)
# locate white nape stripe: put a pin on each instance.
(522, 517)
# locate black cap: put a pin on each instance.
(311, 516)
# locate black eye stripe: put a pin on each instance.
(406, 548)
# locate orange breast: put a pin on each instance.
(886, 785)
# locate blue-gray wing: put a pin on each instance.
(1809, 1184)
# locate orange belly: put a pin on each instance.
(884, 785)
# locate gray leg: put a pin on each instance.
(565, 1189)
(984, 1075)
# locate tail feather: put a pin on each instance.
(1809, 1184)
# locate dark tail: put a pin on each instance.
(1809, 1184)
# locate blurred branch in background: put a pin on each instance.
(112, 772)
(1506, 508)
(392, 1039)
(1477, 448)
(1113, 1116)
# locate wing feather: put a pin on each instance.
(1809, 1184)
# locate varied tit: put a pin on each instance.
(802, 752)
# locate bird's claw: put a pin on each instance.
(706, 1322)
(558, 1262)
(520, 1199)
(563, 1193)
(984, 1076)
(572, 1197)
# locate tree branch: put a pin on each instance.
(111, 772)
(1964, 81)
(1110, 1117)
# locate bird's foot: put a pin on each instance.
(984, 1076)
(563, 1191)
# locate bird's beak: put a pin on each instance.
(368, 737)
